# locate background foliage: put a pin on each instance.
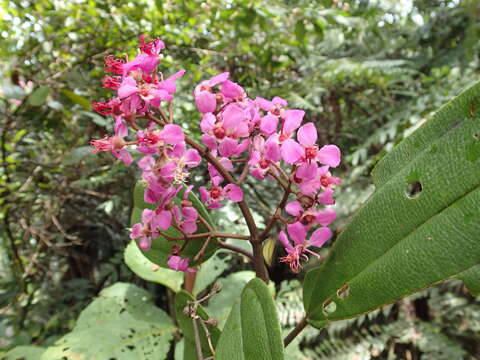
(367, 72)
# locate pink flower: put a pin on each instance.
(298, 247)
(205, 99)
(152, 47)
(263, 155)
(216, 194)
(310, 216)
(186, 216)
(179, 264)
(306, 151)
(146, 230)
(115, 143)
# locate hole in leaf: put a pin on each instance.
(414, 189)
(329, 307)
(343, 292)
(476, 136)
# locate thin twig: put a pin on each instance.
(236, 249)
(274, 217)
(202, 249)
(208, 335)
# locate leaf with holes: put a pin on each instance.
(122, 323)
(161, 247)
(420, 226)
(182, 300)
(252, 330)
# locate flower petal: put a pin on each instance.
(233, 192)
(329, 155)
(206, 102)
(294, 208)
(172, 134)
(284, 240)
(326, 217)
(291, 151)
(297, 232)
(307, 134)
(320, 236)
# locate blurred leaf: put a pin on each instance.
(76, 155)
(38, 96)
(77, 99)
(420, 226)
(24, 352)
(268, 250)
(147, 270)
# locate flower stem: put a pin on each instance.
(293, 334)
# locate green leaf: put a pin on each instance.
(420, 227)
(145, 269)
(252, 330)
(300, 31)
(38, 96)
(185, 323)
(471, 278)
(161, 247)
(122, 323)
(77, 99)
(24, 352)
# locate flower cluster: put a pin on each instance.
(165, 160)
(233, 125)
(257, 137)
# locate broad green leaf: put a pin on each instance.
(77, 99)
(122, 323)
(161, 247)
(252, 330)
(420, 226)
(38, 96)
(24, 352)
(144, 268)
(185, 323)
(471, 278)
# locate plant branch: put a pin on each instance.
(274, 217)
(293, 334)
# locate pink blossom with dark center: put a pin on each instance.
(297, 247)
(215, 196)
